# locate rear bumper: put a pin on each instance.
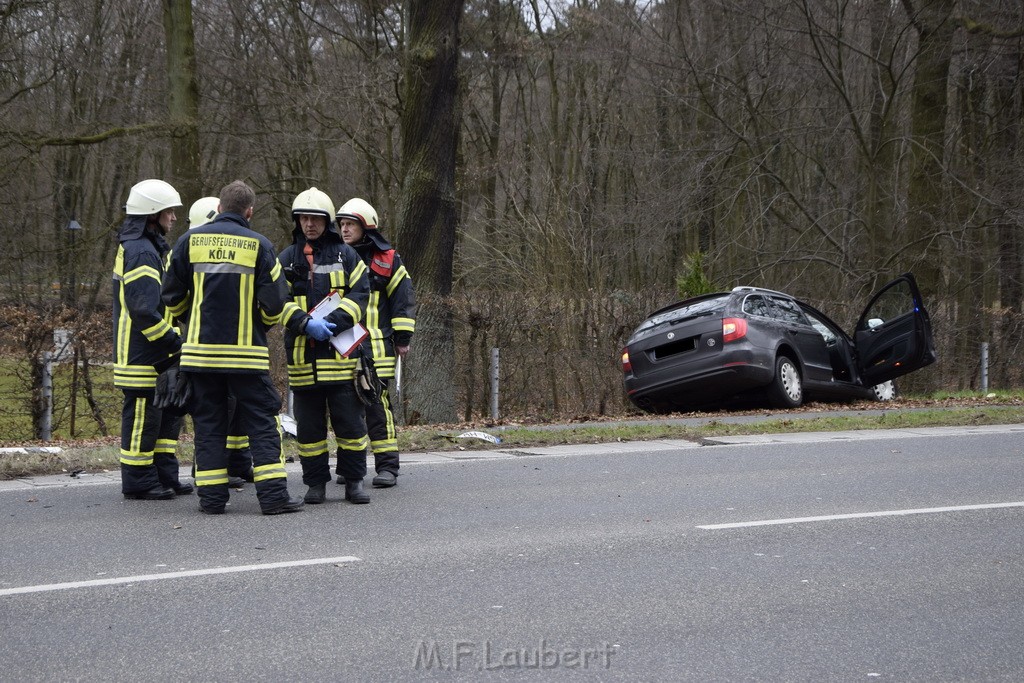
(708, 379)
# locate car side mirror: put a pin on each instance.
(874, 322)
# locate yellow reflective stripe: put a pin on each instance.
(238, 442)
(166, 445)
(311, 450)
(403, 324)
(385, 363)
(336, 363)
(396, 278)
(193, 363)
(156, 331)
(384, 445)
(272, 471)
(245, 298)
(141, 272)
(275, 271)
(336, 376)
(356, 273)
(196, 318)
(359, 444)
(373, 324)
(352, 308)
(211, 477)
(290, 310)
(178, 309)
(226, 349)
(135, 458)
(300, 376)
(135, 446)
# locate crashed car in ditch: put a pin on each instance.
(711, 348)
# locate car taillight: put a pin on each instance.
(626, 365)
(733, 329)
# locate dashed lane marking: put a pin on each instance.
(861, 515)
(175, 575)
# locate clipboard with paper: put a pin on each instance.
(346, 341)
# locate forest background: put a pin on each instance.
(549, 169)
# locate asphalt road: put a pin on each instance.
(602, 562)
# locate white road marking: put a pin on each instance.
(175, 575)
(861, 515)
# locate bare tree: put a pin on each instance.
(428, 216)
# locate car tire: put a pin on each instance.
(786, 389)
(886, 391)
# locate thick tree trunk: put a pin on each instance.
(428, 215)
(925, 200)
(183, 104)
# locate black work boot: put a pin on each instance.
(316, 494)
(156, 493)
(385, 479)
(288, 505)
(182, 488)
(354, 491)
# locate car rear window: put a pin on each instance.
(698, 309)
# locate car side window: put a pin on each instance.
(787, 310)
(822, 329)
(894, 302)
(755, 304)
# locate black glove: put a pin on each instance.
(173, 391)
(183, 393)
(366, 383)
(166, 385)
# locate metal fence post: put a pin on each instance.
(46, 420)
(494, 384)
(984, 367)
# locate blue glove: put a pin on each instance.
(320, 330)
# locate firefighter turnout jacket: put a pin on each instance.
(335, 268)
(226, 279)
(144, 338)
(390, 314)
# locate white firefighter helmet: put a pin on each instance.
(202, 211)
(314, 202)
(360, 210)
(151, 196)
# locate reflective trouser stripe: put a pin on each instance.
(238, 442)
(211, 477)
(273, 471)
(133, 455)
(166, 445)
(130, 458)
(311, 450)
(357, 445)
(384, 445)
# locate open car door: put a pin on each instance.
(894, 334)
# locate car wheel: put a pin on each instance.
(886, 391)
(786, 389)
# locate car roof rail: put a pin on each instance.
(760, 290)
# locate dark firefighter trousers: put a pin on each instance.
(149, 440)
(380, 423)
(256, 410)
(313, 407)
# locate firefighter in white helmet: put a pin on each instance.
(145, 344)
(202, 211)
(317, 264)
(390, 319)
